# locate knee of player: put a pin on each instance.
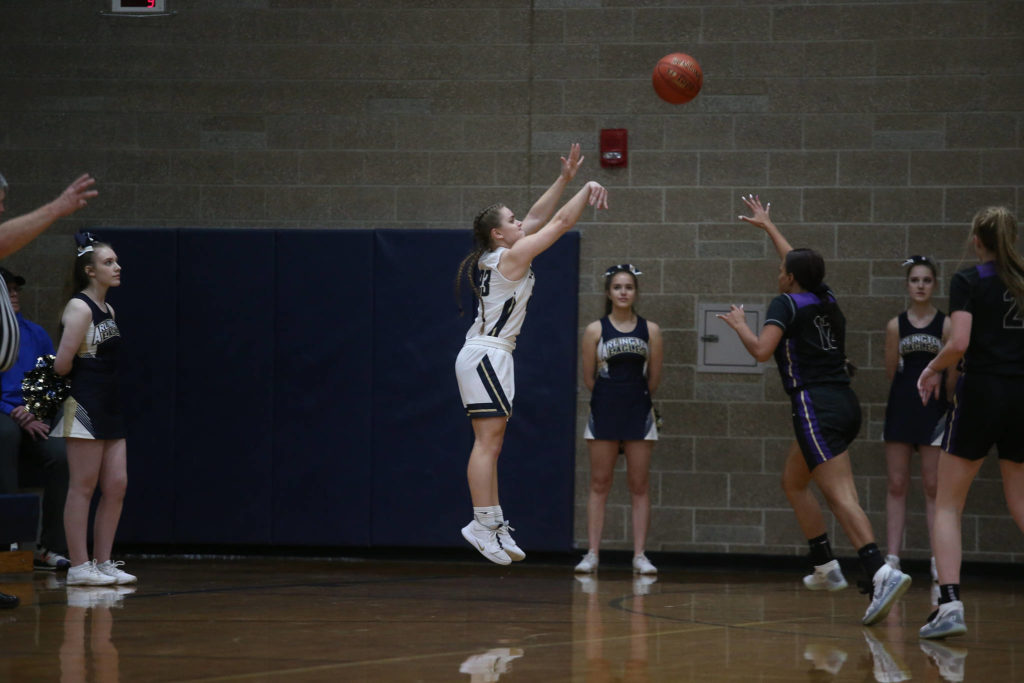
(115, 486)
(600, 484)
(897, 486)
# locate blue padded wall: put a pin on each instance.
(297, 388)
(322, 388)
(225, 395)
(147, 313)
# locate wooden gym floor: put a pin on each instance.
(387, 620)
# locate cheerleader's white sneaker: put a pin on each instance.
(86, 574)
(588, 565)
(641, 565)
(112, 568)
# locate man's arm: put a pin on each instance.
(19, 231)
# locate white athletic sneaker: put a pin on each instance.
(86, 574)
(893, 561)
(887, 668)
(950, 660)
(508, 544)
(889, 585)
(642, 565)
(112, 568)
(947, 620)
(588, 565)
(826, 577)
(486, 541)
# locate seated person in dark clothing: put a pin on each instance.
(23, 437)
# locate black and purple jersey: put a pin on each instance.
(813, 345)
(997, 323)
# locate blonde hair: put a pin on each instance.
(996, 229)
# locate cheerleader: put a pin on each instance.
(911, 340)
(91, 419)
(622, 356)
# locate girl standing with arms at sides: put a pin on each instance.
(912, 339)
(806, 332)
(91, 419)
(622, 356)
(498, 270)
(986, 306)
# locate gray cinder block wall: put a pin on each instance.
(876, 129)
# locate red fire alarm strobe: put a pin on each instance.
(614, 148)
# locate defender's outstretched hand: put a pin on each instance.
(735, 318)
(760, 217)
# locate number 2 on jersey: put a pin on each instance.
(1013, 320)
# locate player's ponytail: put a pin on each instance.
(996, 228)
(808, 269)
(484, 222)
(86, 245)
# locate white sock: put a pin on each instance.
(489, 516)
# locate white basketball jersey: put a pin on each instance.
(504, 301)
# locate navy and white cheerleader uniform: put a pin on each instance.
(93, 410)
(10, 333)
(811, 357)
(484, 367)
(987, 407)
(906, 420)
(620, 405)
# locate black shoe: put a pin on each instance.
(8, 601)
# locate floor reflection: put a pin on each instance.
(827, 657)
(948, 658)
(487, 667)
(89, 609)
(634, 667)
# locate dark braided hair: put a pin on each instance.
(484, 222)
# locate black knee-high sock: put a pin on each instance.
(870, 559)
(821, 550)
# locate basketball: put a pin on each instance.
(677, 78)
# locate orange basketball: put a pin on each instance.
(677, 78)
